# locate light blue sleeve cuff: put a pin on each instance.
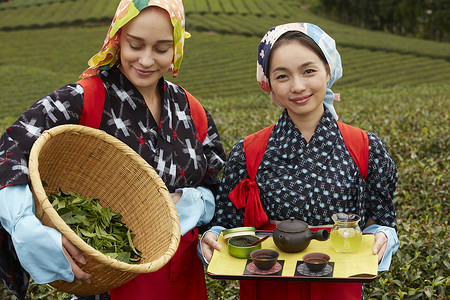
(38, 247)
(216, 230)
(195, 207)
(392, 246)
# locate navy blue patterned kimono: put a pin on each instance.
(310, 181)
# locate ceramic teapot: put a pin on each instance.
(294, 235)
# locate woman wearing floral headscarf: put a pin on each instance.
(149, 114)
(306, 170)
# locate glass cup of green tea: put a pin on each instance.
(346, 235)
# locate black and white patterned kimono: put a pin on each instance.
(310, 181)
(171, 147)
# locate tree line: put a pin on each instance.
(427, 19)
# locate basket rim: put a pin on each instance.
(63, 228)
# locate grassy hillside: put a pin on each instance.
(237, 17)
(413, 122)
(48, 43)
(393, 86)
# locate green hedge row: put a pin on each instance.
(23, 3)
(413, 123)
(238, 17)
(244, 7)
(253, 25)
(58, 13)
(215, 65)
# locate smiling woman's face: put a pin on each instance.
(298, 80)
(146, 48)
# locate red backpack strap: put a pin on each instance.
(93, 101)
(246, 193)
(357, 143)
(254, 147)
(198, 116)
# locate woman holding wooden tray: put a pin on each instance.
(158, 119)
(305, 165)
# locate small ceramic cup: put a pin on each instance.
(264, 259)
(316, 261)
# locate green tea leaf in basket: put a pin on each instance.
(130, 240)
(98, 226)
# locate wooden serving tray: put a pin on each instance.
(361, 266)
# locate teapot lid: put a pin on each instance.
(292, 225)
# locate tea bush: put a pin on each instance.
(240, 17)
(393, 86)
(215, 65)
(413, 122)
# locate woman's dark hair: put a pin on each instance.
(303, 39)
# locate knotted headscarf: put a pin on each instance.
(323, 40)
(109, 55)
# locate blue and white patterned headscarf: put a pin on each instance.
(323, 40)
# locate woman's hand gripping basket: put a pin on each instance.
(94, 164)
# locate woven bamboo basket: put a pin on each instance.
(90, 162)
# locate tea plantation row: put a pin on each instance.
(413, 122)
(215, 65)
(58, 13)
(395, 87)
(237, 17)
(24, 3)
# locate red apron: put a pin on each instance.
(298, 290)
(181, 278)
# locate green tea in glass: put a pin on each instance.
(346, 235)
